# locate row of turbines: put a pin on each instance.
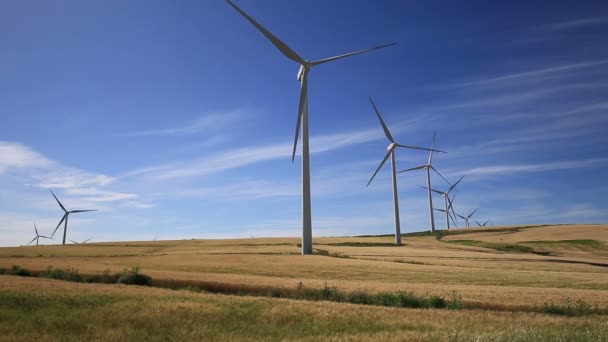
(302, 125)
(449, 211)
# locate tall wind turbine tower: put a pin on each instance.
(391, 153)
(66, 214)
(302, 121)
(428, 166)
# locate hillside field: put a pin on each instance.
(504, 277)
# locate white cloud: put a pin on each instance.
(208, 123)
(231, 159)
(577, 23)
(541, 167)
(16, 155)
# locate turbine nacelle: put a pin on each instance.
(391, 146)
(301, 72)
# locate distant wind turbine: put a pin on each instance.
(467, 218)
(428, 166)
(446, 199)
(38, 236)
(305, 67)
(65, 217)
(80, 243)
(391, 153)
(156, 237)
(481, 224)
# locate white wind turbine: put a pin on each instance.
(38, 236)
(391, 153)
(468, 217)
(81, 243)
(65, 217)
(305, 67)
(428, 167)
(447, 201)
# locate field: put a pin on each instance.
(505, 277)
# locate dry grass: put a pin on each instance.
(46, 310)
(423, 265)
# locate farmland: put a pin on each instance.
(504, 275)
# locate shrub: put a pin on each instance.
(19, 271)
(408, 300)
(133, 277)
(68, 274)
(105, 278)
(568, 308)
(359, 297)
(455, 302)
(386, 299)
(3, 270)
(437, 302)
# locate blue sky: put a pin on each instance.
(176, 118)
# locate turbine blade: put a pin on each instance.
(443, 211)
(57, 199)
(76, 243)
(87, 240)
(59, 224)
(479, 224)
(46, 237)
(379, 167)
(462, 217)
(384, 127)
(471, 214)
(82, 211)
(419, 148)
(289, 53)
(412, 169)
(29, 243)
(432, 147)
(36, 229)
(440, 175)
(484, 224)
(325, 60)
(433, 190)
(302, 106)
(454, 185)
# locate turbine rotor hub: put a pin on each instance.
(391, 146)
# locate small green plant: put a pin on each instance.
(455, 302)
(19, 271)
(568, 308)
(437, 302)
(68, 274)
(131, 276)
(359, 297)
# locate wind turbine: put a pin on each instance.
(38, 236)
(65, 217)
(156, 237)
(481, 224)
(305, 67)
(391, 153)
(467, 218)
(80, 243)
(428, 167)
(447, 201)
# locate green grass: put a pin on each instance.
(503, 247)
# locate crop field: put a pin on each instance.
(504, 279)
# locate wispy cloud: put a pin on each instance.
(540, 167)
(16, 155)
(231, 159)
(573, 24)
(208, 123)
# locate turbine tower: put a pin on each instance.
(38, 236)
(65, 217)
(302, 121)
(428, 166)
(391, 153)
(447, 201)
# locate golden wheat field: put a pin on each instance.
(504, 276)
